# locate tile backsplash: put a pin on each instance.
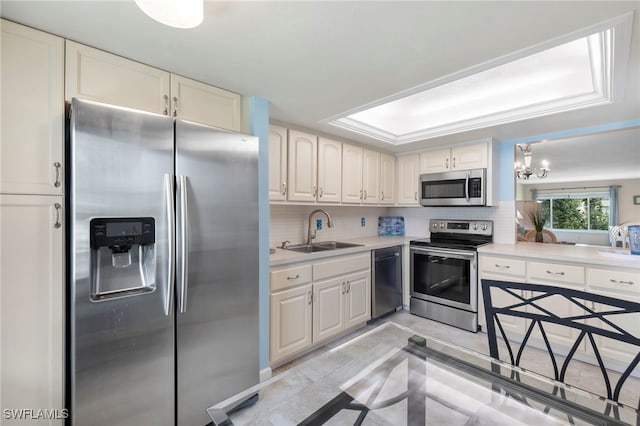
(291, 223)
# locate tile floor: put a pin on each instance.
(310, 367)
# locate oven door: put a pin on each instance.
(444, 276)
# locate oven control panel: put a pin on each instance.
(481, 227)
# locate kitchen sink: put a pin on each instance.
(321, 246)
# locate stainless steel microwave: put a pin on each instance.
(459, 188)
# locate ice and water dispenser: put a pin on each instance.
(123, 258)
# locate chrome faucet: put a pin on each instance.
(312, 231)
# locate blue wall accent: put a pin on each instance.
(506, 191)
(259, 126)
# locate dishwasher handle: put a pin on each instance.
(381, 258)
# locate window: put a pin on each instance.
(576, 211)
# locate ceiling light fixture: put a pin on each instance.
(174, 13)
(524, 170)
(580, 70)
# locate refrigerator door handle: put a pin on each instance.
(171, 222)
(184, 236)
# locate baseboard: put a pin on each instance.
(265, 374)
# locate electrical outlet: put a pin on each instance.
(318, 223)
(362, 222)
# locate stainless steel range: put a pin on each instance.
(444, 271)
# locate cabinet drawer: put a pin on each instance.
(289, 277)
(614, 280)
(502, 266)
(341, 265)
(555, 272)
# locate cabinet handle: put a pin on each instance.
(310, 297)
(166, 104)
(361, 194)
(554, 273)
(284, 188)
(621, 282)
(502, 266)
(321, 192)
(415, 195)
(58, 207)
(454, 163)
(57, 166)
(382, 196)
(365, 194)
(292, 278)
(175, 106)
(344, 289)
(446, 164)
(348, 287)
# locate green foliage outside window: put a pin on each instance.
(582, 213)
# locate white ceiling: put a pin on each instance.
(313, 60)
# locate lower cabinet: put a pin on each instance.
(340, 303)
(32, 304)
(291, 321)
(618, 283)
(308, 308)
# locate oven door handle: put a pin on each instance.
(445, 252)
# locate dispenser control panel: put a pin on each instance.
(122, 232)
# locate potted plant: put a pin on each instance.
(538, 220)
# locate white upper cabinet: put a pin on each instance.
(387, 179)
(351, 174)
(329, 171)
(103, 77)
(32, 114)
(303, 155)
(199, 102)
(468, 157)
(100, 76)
(435, 161)
(370, 177)
(277, 163)
(408, 175)
(463, 157)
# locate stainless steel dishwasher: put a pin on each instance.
(386, 273)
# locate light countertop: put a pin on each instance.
(596, 255)
(283, 257)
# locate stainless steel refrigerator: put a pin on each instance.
(163, 267)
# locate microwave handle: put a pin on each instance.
(466, 188)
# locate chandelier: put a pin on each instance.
(524, 170)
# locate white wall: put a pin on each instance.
(417, 219)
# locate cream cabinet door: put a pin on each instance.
(469, 157)
(514, 326)
(371, 176)
(329, 171)
(351, 174)
(32, 303)
(328, 308)
(100, 76)
(277, 163)
(387, 179)
(613, 349)
(290, 321)
(435, 161)
(32, 111)
(358, 298)
(408, 177)
(199, 102)
(303, 163)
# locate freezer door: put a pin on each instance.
(217, 267)
(121, 368)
